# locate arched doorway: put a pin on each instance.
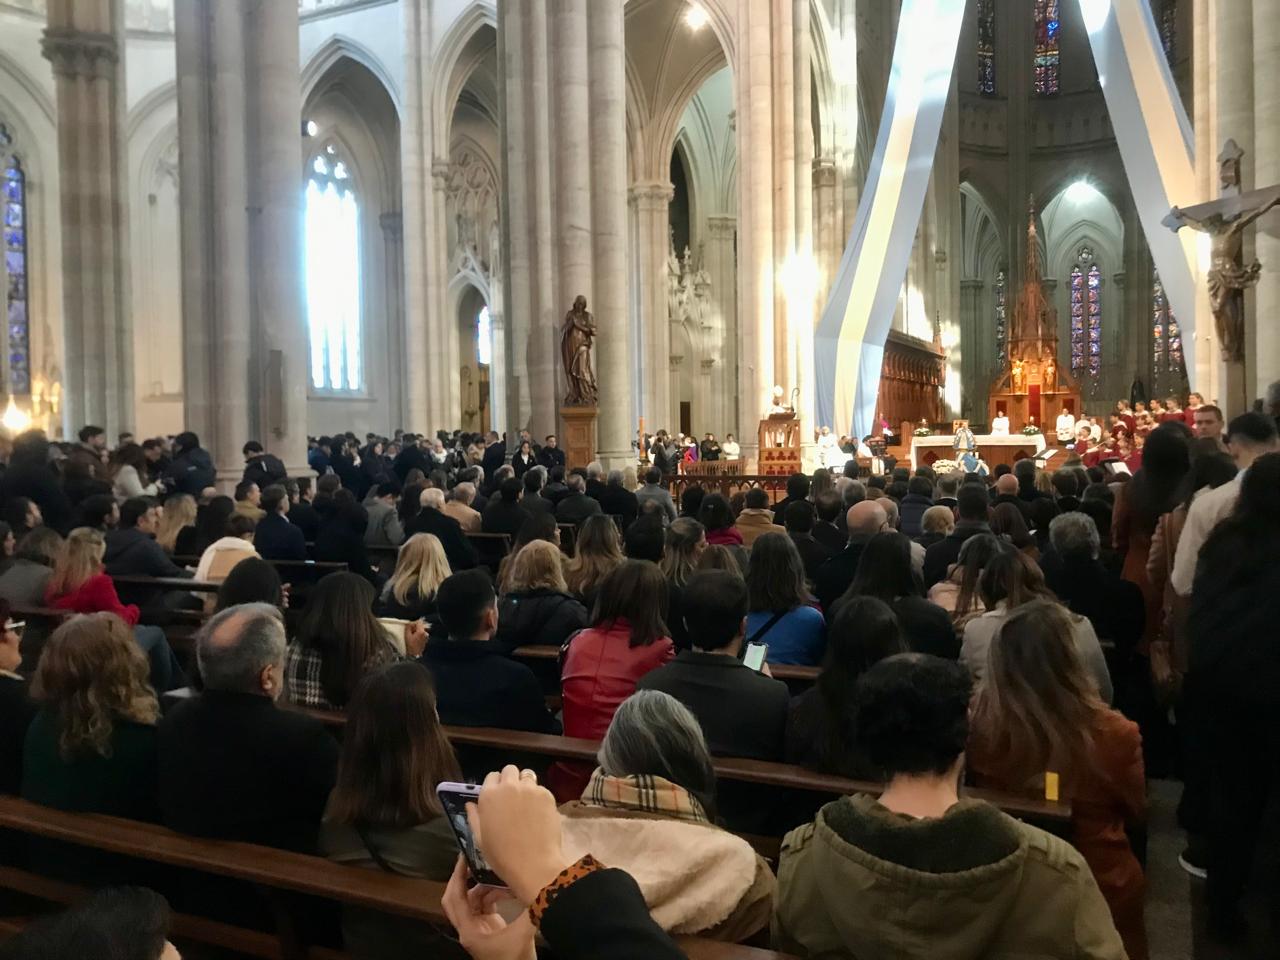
(475, 334)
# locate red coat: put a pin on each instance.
(600, 670)
(95, 595)
(1103, 801)
(728, 537)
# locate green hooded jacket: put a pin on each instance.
(864, 883)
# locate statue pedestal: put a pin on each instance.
(578, 436)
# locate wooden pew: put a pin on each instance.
(267, 867)
(785, 775)
(793, 675)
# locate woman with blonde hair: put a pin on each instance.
(177, 533)
(92, 746)
(1036, 714)
(719, 557)
(421, 567)
(596, 554)
(537, 607)
(78, 582)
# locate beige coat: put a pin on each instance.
(467, 518)
(754, 522)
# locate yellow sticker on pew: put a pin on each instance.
(1051, 787)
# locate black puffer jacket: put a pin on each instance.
(538, 617)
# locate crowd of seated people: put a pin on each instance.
(1036, 631)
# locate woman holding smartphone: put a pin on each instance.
(384, 814)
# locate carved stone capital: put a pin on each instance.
(440, 171)
(972, 283)
(78, 53)
(824, 172)
(653, 196)
(722, 228)
(676, 360)
(707, 364)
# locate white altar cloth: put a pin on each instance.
(942, 444)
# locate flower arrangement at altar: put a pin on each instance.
(1030, 430)
(922, 432)
(945, 466)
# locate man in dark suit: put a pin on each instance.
(532, 501)
(556, 489)
(797, 489)
(301, 513)
(864, 520)
(477, 684)
(412, 457)
(495, 454)
(617, 500)
(275, 538)
(813, 555)
(742, 713)
(973, 516)
(231, 765)
(551, 456)
(948, 487)
(503, 513)
(131, 547)
(577, 506)
(432, 519)
(595, 480)
(826, 525)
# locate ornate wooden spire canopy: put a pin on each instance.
(1032, 386)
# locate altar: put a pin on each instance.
(991, 448)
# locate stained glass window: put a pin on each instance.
(16, 266)
(1169, 370)
(1086, 317)
(1047, 52)
(332, 229)
(987, 47)
(1002, 325)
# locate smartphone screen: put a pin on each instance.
(754, 657)
(454, 797)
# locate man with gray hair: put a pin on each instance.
(1082, 582)
(577, 506)
(618, 501)
(433, 520)
(595, 480)
(459, 507)
(232, 765)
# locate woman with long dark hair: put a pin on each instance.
(717, 519)
(383, 812)
(338, 642)
(1038, 710)
(1154, 490)
(597, 552)
(782, 612)
(820, 730)
(958, 594)
(885, 571)
(1235, 671)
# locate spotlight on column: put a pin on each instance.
(695, 17)
(1095, 14)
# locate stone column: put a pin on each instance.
(828, 240)
(84, 42)
(392, 225)
(1266, 172)
(1234, 117)
(607, 102)
(564, 137)
(721, 264)
(245, 340)
(651, 202)
(979, 338)
(801, 309)
(443, 348)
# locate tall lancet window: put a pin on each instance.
(1086, 316)
(1168, 368)
(1166, 12)
(1047, 49)
(16, 266)
(987, 47)
(1002, 321)
(332, 228)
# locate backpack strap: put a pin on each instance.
(769, 625)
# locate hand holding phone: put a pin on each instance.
(755, 655)
(455, 797)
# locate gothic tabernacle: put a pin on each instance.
(1033, 388)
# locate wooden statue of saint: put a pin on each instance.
(575, 351)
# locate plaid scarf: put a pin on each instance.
(645, 793)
